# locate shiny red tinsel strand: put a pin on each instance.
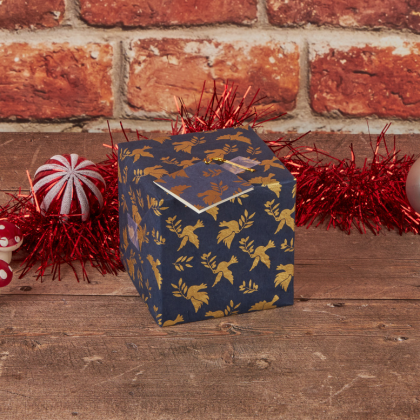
(336, 191)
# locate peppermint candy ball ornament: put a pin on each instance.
(69, 184)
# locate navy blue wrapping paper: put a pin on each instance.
(234, 258)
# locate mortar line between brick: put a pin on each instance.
(118, 73)
(72, 12)
(262, 13)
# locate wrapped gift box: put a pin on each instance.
(234, 258)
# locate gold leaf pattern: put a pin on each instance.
(156, 171)
(130, 263)
(192, 293)
(181, 261)
(155, 205)
(221, 270)
(142, 235)
(123, 203)
(286, 247)
(155, 270)
(254, 151)
(264, 305)
(158, 238)
(125, 175)
(215, 194)
(283, 279)
(239, 198)
(233, 227)
(187, 234)
(251, 288)
(125, 237)
(230, 310)
(169, 161)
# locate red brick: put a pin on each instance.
(397, 14)
(167, 12)
(47, 81)
(369, 80)
(18, 14)
(160, 69)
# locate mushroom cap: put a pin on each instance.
(10, 236)
(6, 273)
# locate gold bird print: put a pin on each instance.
(283, 279)
(228, 233)
(238, 136)
(268, 163)
(189, 235)
(286, 218)
(216, 153)
(142, 235)
(260, 255)
(223, 270)
(156, 272)
(233, 227)
(177, 320)
(264, 305)
(185, 146)
(186, 163)
(215, 314)
(130, 263)
(137, 153)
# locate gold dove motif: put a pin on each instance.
(284, 217)
(142, 235)
(260, 306)
(130, 263)
(233, 227)
(177, 320)
(259, 254)
(192, 293)
(221, 269)
(185, 146)
(155, 270)
(238, 136)
(186, 163)
(283, 279)
(137, 153)
(269, 182)
(187, 234)
(214, 211)
(274, 162)
(220, 153)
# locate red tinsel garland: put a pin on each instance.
(372, 196)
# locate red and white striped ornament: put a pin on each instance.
(69, 184)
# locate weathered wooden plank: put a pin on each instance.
(21, 151)
(103, 357)
(328, 264)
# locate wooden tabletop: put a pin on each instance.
(349, 348)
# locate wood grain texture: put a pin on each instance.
(348, 349)
(103, 357)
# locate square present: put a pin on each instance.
(235, 257)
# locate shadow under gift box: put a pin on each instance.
(235, 258)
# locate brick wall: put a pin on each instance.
(69, 65)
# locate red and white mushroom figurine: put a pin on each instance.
(6, 273)
(10, 239)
